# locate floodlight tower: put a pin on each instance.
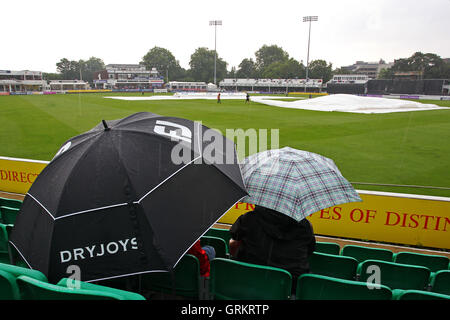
(215, 23)
(309, 19)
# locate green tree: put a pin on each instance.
(267, 55)
(89, 67)
(288, 69)
(202, 66)
(320, 69)
(164, 61)
(52, 76)
(69, 69)
(247, 69)
(232, 73)
(386, 73)
(342, 71)
(430, 65)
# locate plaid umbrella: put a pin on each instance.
(295, 182)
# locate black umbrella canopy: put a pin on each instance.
(127, 197)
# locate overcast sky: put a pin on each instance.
(37, 34)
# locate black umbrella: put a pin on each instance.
(129, 196)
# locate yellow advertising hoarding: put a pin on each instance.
(386, 217)
(89, 91)
(17, 175)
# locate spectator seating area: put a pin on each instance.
(346, 274)
(283, 85)
(353, 272)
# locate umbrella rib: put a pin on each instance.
(208, 230)
(89, 135)
(46, 210)
(90, 210)
(20, 254)
(119, 204)
(126, 275)
(71, 173)
(162, 182)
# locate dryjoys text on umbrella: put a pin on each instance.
(99, 250)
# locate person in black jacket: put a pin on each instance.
(267, 237)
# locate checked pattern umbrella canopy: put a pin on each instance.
(294, 182)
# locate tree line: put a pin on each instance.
(270, 61)
(430, 65)
(76, 70)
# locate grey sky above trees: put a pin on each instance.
(121, 32)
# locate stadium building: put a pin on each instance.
(348, 83)
(21, 81)
(271, 85)
(362, 84)
(181, 86)
(128, 77)
(371, 69)
(62, 85)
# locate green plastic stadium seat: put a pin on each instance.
(127, 295)
(32, 289)
(218, 243)
(317, 287)
(234, 280)
(432, 262)
(399, 294)
(8, 287)
(186, 275)
(17, 271)
(4, 255)
(9, 228)
(9, 214)
(12, 203)
(362, 253)
(395, 275)
(220, 233)
(440, 282)
(333, 265)
(17, 258)
(328, 247)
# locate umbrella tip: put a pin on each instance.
(105, 125)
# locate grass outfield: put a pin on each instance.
(408, 148)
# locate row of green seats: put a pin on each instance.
(394, 275)
(4, 255)
(186, 281)
(17, 283)
(8, 215)
(9, 208)
(362, 253)
(344, 264)
(220, 233)
(232, 279)
(241, 281)
(12, 203)
(317, 287)
(5, 231)
(219, 245)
